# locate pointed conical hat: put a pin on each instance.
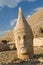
(22, 24)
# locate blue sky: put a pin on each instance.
(9, 12)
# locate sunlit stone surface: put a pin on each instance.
(38, 41)
(23, 38)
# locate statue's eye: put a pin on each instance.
(41, 29)
(24, 37)
(19, 37)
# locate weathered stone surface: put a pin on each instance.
(23, 37)
(8, 46)
(36, 23)
(7, 58)
(38, 41)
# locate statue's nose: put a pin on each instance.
(22, 42)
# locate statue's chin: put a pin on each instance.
(23, 51)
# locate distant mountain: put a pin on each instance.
(8, 36)
(36, 23)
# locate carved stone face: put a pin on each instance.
(23, 43)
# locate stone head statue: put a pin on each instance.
(23, 37)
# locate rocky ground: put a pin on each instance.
(10, 58)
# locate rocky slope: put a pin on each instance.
(36, 23)
(10, 58)
(8, 36)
